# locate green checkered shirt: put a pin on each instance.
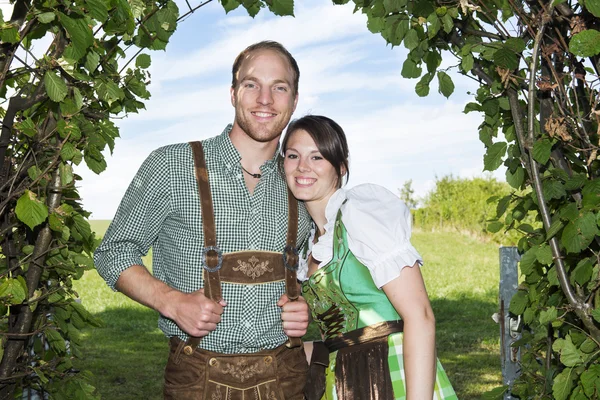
(161, 209)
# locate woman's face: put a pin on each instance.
(309, 176)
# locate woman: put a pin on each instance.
(373, 313)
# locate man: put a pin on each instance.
(218, 217)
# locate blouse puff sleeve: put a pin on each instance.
(378, 226)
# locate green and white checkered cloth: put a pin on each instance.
(161, 209)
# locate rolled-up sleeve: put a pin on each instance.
(137, 221)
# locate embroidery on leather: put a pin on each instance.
(242, 370)
(216, 395)
(253, 268)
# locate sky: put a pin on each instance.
(346, 73)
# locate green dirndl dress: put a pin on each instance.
(343, 298)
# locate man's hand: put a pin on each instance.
(294, 315)
(196, 314)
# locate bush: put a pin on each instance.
(465, 205)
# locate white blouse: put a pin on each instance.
(378, 226)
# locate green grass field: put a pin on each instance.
(127, 355)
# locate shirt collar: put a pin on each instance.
(231, 157)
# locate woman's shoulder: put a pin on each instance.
(374, 201)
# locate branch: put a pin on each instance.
(581, 309)
(515, 110)
(13, 348)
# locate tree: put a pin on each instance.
(407, 194)
(57, 106)
(537, 65)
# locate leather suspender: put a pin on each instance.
(212, 257)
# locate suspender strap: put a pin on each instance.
(290, 253)
(212, 257)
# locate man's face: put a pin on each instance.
(264, 98)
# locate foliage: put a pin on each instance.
(407, 194)
(537, 65)
(467, 205)
(57, 105)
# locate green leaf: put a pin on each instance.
(518, 303)
(109, 91)
(27, 126)
(467, 62)
(596, 314)
(392, 6)
(46, 17)
(55, 86)
(230, 5)
(143, 61)
(541, 150)
(66, 174)
(98, 9)
(495, 226)
(68, 108)
(544, 255)
(91, 61)
(448, 23)
(516, 45)
(553, 189)
(9, 34)
(575, 181)
(13, 290)
(68, 151)
(434, 25)
(591, 193)
(79, 32)
(56, 341)
(30, 210)
(527, 261)
(569, 212)
(494, 155)
(586, 43)
(410, 69)
(517, 178)
(593, 6)
(588, 379)
(502, 205)
(55, 222)
(563, 384)
(579, 233)
(34, 172)
(588, 346)
(422, 88)
(375, 24)
(547, 316)
(555, 227)
(411, 40)
(282, 7)
(433, 59)
(446, 86)
(506, 59)
(496, 393)
(583, 271)
(82, 226)
(472, 107)
(570, 354)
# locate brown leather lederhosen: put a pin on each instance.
(193, 373)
